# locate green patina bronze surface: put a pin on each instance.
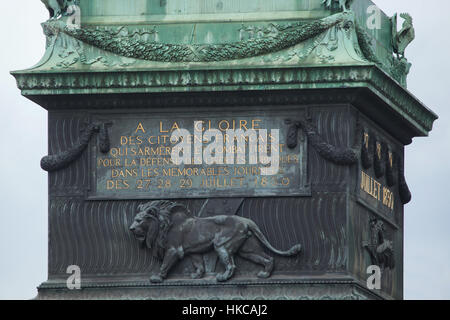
(154, 46)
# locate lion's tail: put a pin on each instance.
(257, 232)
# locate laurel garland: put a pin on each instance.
(63, 159)
(339, 156)
(405, 193)
(155, 51)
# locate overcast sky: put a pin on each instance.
(23, 132)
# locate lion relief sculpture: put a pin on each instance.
(173, 233)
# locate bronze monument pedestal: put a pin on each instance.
(324, 95)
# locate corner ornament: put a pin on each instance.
(172, 233)
(402, 38)
(380, 249)
(62, 160)
(64, 8)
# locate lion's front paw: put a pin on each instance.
(221, 278)
(156, 279)
(263, 274)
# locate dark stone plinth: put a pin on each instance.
(323, 288)
(336, 222)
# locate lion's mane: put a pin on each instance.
(161, 212)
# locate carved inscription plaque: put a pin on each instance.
(376, 195)
(173, 156)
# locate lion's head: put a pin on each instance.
(152, 223)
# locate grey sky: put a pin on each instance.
(23, 128)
